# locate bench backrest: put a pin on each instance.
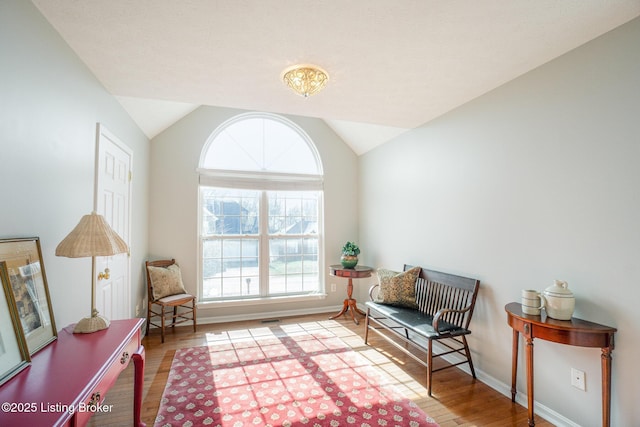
(436, 290)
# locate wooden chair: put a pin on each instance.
(185, 301)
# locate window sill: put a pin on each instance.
(261, 301)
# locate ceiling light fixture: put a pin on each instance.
(305, 79)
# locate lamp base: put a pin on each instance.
(91, 324)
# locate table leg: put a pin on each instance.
(350, 304)
(345, 307)
(352, 301)
(138, 386)
(357, 310)
(530, 381)
(606, 386)
(514, 364)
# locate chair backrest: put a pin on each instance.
(158, 263)
(436, 290)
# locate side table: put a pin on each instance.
(358, 272)
(575, 332)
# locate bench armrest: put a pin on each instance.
(373, 291)
(443, 311)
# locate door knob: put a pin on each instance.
(103, 274)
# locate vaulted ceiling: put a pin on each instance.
(393, 65)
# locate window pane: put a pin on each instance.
(284, 152)
(261, 144)
(229, 211)
(212, 248)
(310, 267)
(230, 268)
(212, 288)
(212, 268)
(290, 212)
(294, 283)
(311, 247)
(277, 225)
(310, 206)
(293, 265)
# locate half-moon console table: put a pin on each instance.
(67, 380)
(575, 332)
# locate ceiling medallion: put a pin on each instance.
(305, 79)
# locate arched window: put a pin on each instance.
(261, 211)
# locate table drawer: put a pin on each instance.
(96, 398)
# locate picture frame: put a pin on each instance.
(14, 354)
(26, 275)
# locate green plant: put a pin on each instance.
(350, 249)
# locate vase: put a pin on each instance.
(349, 261)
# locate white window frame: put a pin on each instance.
(262, 181)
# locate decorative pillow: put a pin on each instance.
(398, 289)
(166, 281)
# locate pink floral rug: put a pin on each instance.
(305, 379)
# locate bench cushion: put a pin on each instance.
(415, 320)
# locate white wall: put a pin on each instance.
(49, 106)
(175, 154)
(535, 181)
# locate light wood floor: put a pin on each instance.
(458, 400)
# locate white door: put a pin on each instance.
(113, 201)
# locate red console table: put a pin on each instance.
(575, 332)
(67, 381)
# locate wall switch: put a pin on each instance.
(578, 379)
(333, 287)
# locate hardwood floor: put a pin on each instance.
(457, 399)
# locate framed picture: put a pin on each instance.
(23, 259)
(14, 355)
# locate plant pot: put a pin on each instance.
(349, 261)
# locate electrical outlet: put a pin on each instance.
(333, 287)
(578, 379)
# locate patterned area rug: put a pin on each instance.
(283, 378)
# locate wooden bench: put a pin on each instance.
(445, 306)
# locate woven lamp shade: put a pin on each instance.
(92, 237)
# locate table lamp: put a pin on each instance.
(92, 237)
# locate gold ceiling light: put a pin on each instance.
(305, 79)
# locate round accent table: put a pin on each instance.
(358, 272)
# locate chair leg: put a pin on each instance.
(173, 319)
(162, 325)
(468, 353)
(429, 366)
(148, 317)
(194, 315)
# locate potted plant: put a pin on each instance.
(349, 258)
